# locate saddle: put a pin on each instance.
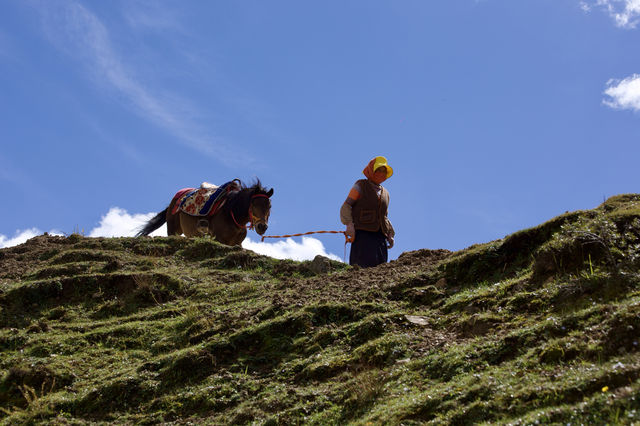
(203, 201)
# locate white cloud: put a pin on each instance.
(116, 223)
(19, 238)
(624, 12)
(119, 223)
(624, 94)
(22, 236)
(289, 249)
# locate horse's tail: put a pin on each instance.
(156, 222)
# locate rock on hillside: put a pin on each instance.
(539, 327)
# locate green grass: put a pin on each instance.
(539, 327)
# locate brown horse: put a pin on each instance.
(228, 224)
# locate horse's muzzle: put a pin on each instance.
(261, 228)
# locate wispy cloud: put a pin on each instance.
(119, 223)
(76, 30)
(625, 13)
(151, 15)
(624, 94)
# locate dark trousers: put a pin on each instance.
(368, 249)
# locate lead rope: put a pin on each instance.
(346, 238)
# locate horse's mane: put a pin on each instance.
(241, 199)
(256, 185)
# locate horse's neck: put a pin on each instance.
(239, 205)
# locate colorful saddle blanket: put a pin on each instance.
(203, 201)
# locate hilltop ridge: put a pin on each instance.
(540, 326)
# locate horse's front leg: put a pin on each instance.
(212, 227)
(239, 238)
(220, 230)
(189, 225)
(231, 237)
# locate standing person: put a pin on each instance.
(365, 214)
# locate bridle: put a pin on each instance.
(253, 219)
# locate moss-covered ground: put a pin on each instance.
(542, 326)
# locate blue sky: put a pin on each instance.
(496, 115)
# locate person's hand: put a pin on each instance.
(351, 232)
(390, 242)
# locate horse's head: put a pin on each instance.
(260, 208)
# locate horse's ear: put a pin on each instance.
(270, 193)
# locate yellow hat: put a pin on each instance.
(380, 162)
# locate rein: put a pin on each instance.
(250, 214)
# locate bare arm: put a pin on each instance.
(346, 216)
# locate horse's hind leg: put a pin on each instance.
(173, 225)
(173, 221)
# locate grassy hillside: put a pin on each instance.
(541, 326)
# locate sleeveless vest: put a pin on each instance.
(369, 211)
